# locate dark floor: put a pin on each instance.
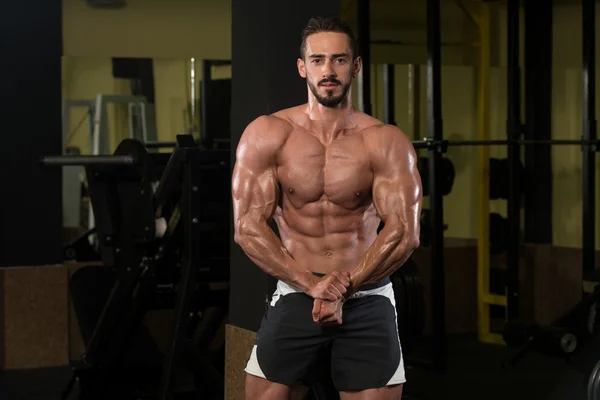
(38, 384)
(474, 371)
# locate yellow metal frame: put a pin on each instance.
(479, 13)
(484, 298)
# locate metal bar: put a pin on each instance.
(364, 39)
(423, 144)
(389, 104)
(483, 234)
(414, 100)
(435, 128)
(169, 180)
(190, 213)
(88, 160)
(537, 177)
(495, 299)
(590, 134)
(193, 116)
(159, 145)
(206, 81)
(513, 132)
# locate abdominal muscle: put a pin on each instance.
(323, 237)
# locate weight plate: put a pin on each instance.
(568, 343)
(594, 383)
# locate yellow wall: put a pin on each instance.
(567, 124)
(83, 78)
(149, 28)
(171, 85)
(169, 32)
(172, 32)
(173, 97)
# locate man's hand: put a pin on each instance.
(330, 287)
(328, 313)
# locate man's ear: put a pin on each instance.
(357, 66)
(301, 67)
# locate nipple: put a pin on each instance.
(357, 194)
(291, 190)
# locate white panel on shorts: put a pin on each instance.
(282, 290)
(399, 376)
(252, 367)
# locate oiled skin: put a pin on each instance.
(325, 215)
(328, 175)
(327, 192)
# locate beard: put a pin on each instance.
(329, 100)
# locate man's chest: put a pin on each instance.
(310, 170)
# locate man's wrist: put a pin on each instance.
(305, 281)
(356, 280)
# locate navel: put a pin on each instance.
(328, 254)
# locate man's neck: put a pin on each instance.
(330, 121)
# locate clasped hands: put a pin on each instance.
(329, 294)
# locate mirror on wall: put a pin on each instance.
(150, 99)
(108, 99)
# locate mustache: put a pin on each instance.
(329, 80)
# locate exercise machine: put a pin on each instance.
(163, 234)
(140, 120)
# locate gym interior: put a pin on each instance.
(120, 278)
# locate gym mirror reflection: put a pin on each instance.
(107, 100)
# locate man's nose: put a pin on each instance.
(328, 71)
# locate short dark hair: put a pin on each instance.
(327, 24)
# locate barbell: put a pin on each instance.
(442, 145)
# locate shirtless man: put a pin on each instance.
(328, 175)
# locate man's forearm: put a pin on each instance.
(265, 249)
(388, 252)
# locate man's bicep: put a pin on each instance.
(254, 184)
(254, 193)
(397, 189)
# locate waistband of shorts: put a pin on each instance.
(368, 286)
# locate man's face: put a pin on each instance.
(328, 67)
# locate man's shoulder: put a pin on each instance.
(378, 132)
(387, 145)
(264, 136)
(267, 122)
(268, 126)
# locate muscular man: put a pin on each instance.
(328, 175)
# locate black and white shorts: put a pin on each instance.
(365, 350)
